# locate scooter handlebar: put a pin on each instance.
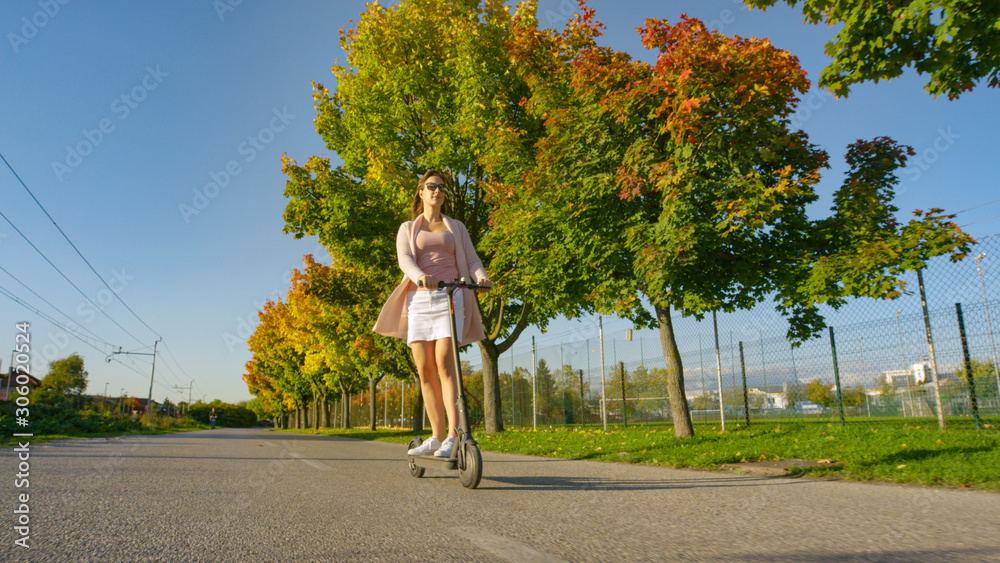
(459, 283)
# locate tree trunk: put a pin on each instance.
(322, 413)
(347, 410)
(492, 407)
(315, 413)
(490, 351)
(675, 375)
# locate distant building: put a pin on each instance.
(918, 374)
(8, 383)
(769, 400)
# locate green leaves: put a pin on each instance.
(955, 42)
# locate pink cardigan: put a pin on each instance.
(392, 319)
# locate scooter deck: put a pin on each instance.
(432, 461)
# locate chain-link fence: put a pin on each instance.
(874, 364)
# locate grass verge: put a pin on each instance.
(899, 453)
(148, 426)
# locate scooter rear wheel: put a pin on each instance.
(473, 471)
(415, 469)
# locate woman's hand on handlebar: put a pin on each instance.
(428, 281)
(485, 285)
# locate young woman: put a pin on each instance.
(432, 247)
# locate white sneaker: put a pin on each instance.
(446, 447)
(426, 448)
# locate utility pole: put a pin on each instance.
(152, 373)
(189, 386)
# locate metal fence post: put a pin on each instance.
(604, 402)
(836, 376)
(930, 349)
(583, 412)
(968, 365)
(621, 366)
(746, 400)
(718, 370)
(534, 379)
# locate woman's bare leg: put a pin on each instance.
(430, 386)
(446, 373)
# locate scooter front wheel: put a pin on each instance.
(415, 469)
(471, 474)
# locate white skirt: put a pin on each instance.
(428, 318)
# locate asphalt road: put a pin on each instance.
(256, 495)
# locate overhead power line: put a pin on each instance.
(978, 206)
(80, 291)
(176, 363)
(6, 293)
(15, 299)
(70, 319)
(78, 253)
(982, 220)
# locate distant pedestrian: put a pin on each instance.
(212, 417)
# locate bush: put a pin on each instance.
(232, 416)
(157, 420)
(49, 418)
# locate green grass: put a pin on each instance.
(900, 453)
(41, 439)
(161, 428)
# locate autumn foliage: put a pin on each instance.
(592, 181)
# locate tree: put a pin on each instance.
(956, 42)
(677, 183)
(681, 184)
(545, 392)
(424, 82)
(794, 392)
(984, 375)
(272, 372)
(66, 380)
(819, 393)
(853, 396)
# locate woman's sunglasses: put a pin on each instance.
(432, 187)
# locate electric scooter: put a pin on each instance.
(465, 456)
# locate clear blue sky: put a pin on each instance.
(114, 113)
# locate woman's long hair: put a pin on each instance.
(417, 207)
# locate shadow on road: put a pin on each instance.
(950, 554)
(559, 483)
